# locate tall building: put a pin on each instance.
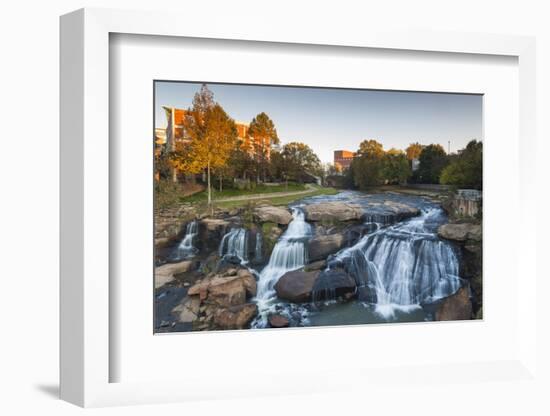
(343, 159)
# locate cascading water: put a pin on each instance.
(235, 243)
(403, 266)
(290, 253)
(258, 255)
(186, 249)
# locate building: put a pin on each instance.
(175, 132)
(343, 159)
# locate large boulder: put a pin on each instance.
(211, 231)
(456, 307)
(188, 310)
(333, 212)
(296, 286)
(460, 232)
(332, 284)
(321, 246)
(235, 317)
(165, 273)
(225, 290)
(272, 214)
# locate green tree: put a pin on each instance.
(210, 137)
(396, 168)
(297, 160)
(367, 168)
(466, 169)
(264, 134)
(432, 161)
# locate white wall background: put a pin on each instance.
(29, 206)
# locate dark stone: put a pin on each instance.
(332, 284)
(278, 321)
(320, 247)
(296, 286)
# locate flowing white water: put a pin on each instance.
(290, 253)
(186, 249)
(404, 265)
(235, 243)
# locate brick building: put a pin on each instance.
(343, 159)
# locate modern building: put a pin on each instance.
(343, 159)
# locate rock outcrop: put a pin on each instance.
(332, 284)
(273, 214)
(220, 301)
(165, 274)
(296, 286)
(460, 232)
(320, 247)
(333, 212)
(456, 307)
(235, 317)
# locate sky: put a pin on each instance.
(329, 119)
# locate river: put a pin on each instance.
(400, 267)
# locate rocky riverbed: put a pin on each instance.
(349, 258)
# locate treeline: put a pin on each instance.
(373, 166)
(211, 146)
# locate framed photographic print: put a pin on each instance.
(314, 197)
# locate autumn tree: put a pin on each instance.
(210, 136)
(262, 130)
(432, 160)
(413, 151)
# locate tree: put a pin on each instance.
(210, 137)
(413, 151)
(396, 167)
(367, 166)
(262, 130)
(296, 161)
(466, 169)
(432, 160)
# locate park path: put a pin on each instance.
(267, 195)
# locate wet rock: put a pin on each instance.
(388, 212)
(316, 265)
(320, 247)
(296, 286)
(272, 214)
(235, 317)
(165, 273)
(333, 211)
(456, 307)
(460, 232)
(278, 321)
(332, 284)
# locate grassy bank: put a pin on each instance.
(284, 200)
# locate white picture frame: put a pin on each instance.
(86, 265)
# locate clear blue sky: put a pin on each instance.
(339, 119)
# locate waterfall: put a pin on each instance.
(404, 265)
(290, 253)
(258, 256)
(186, 249)
(235, 243)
